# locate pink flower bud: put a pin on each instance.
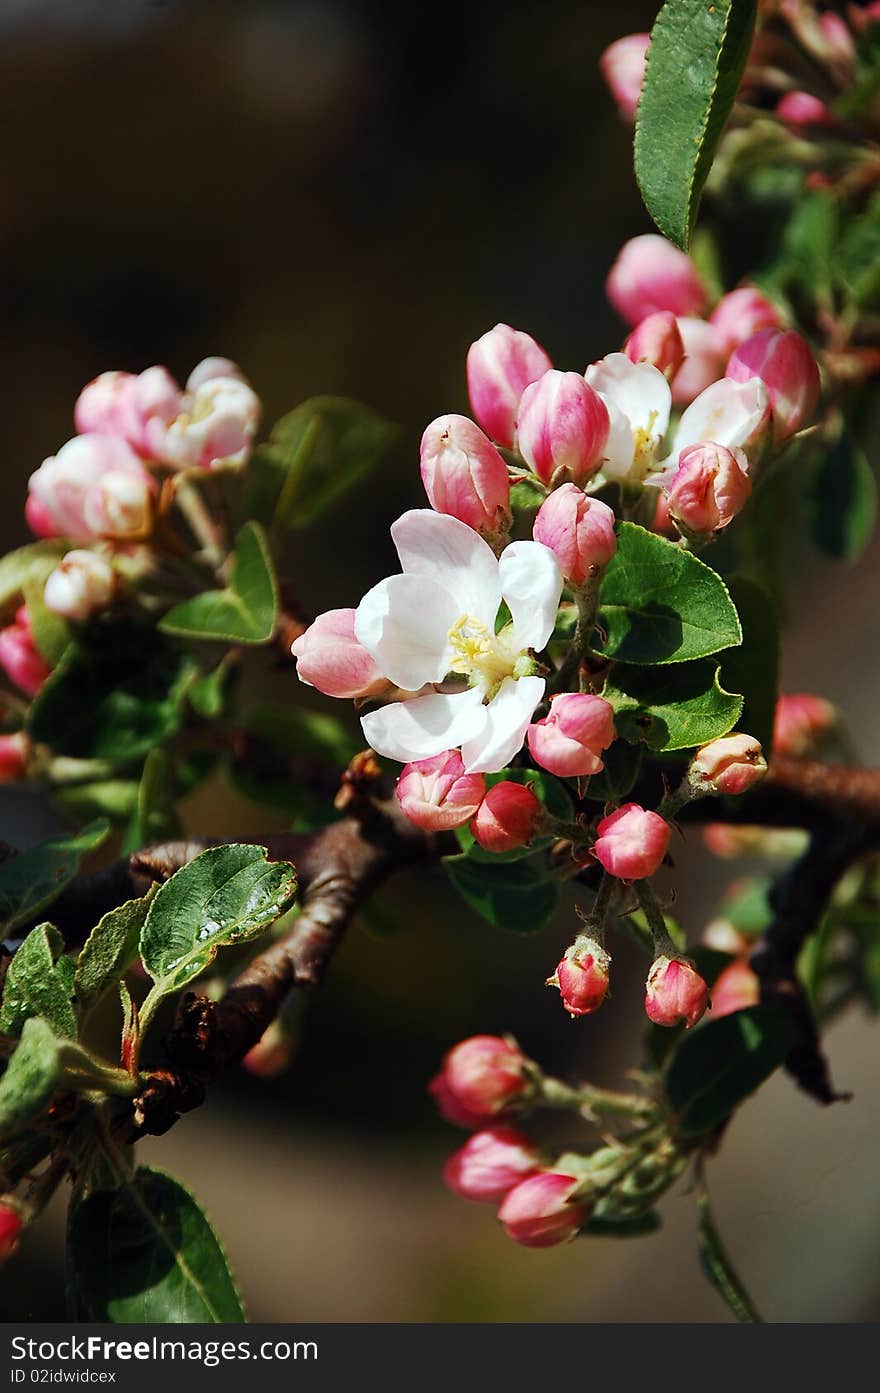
(38, 517)
(838, 40)
(19, 656)
(582, 976)
(136, 407)
(740, 314)
(490, 1163)
(216, 426)
(480, 1077)
(83, 584)
(10, 1230)
(736, 988)
(662, 522)
(704, 360)
(799, 109)
(500, 366)
(330, 658)
(785, 364)
(801, 723)
(271, 1055)
(105, 406)
(579, 530)
(732, 764)
(507, 818)
(632, 842)
(562, 425)
(209, 369)
(570, 739)
(657, 340)
(464, 475)
(437, 795)
(675, 993)
(623, 68)
(537, 1212)
(96, 486)
(650, 274)
(709, 488)
(14, 751)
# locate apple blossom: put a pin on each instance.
(330, 658)
(81, 585)
(216, 425)
(579, 530)
(437, 620)
(721, 936)
(675, 993)
(736, 415)
(14, 750)
(801, 722)
(784, 362)
(709, 488)
(96, 486)
(582, 976)
(490, 1163)
(803, 109)
(732, 764)
(537, 1212)
(704, 360)
(20, 658)
(136, 406)
(464, 475)
(639, 402)
(508, 817)
(657, 339)
(437, 795)
(736, 988)
(632, 842)
(500, 366)
(740, 314)
(480, 1078)
(563, 426)
(651, 274)
(570, 739)
(623, 68)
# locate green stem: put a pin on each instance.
(204, 527)
(588, 1100)
(595, 920)
(663, 944)
(587, 600)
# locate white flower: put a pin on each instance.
(733, 414)
(435, 623)
(639, 402)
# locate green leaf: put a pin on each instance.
(714, 1068)
(314, 454)
(294, 730)
(622, 764)
(110, 949)
(842, 501)
(720, 1270)
(145, 1252)
(511, 895)
(675, 708)
(611, 1225)
(747, 906)
(52, 634)
(695, 62)
(112, 798)
(31, 881)
(29, 565)
(753, 667)
(246, 611)
(32, 1075)
(155, 815)
(114, 697)
(659, 604)
(858, 257)
(207, 695)
(227, 895)
(39, 982)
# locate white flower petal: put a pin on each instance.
(727, 413)
(454, 556)
(404, 623)
(507, 717)
(531, 584)
(425, 726)
(639, 390)
(620, 450)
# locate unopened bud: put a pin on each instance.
(10, 1230)
(562, 425)
(538, 1214)
(464, 475)
(579, 530)
(582, 976)
(570, 739)
(740, 314)
(81, 585)
(735, 989)
(675, 993)
(480, 1078)
(649, 275)
(216, 426)
(500, 366)
(801, 724)
(732, 764)
(490, 1163)
(508, 817)
(20, 658)
(704, 360)
(437, 795)
(785, 363)
(330, 658)
(709, 488)
(632, 842)
(623, 68)
(657, 340)
(799, 109)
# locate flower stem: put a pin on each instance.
(587, 600)
(663, 944)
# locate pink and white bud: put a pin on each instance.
(562, 425)
(740, 314)
(802, 722)
(20, 658)
(709, 488)
(437, 795)
(11, 1226)
(136, 407)
(675, 993)
(579, 530)
(480, 1078)
(735, 989)
(216, 426)
(209, 369)
(650, 275)
(704, 360)
(732, 764)
(96, 486)
(623, 67)
(736, 415)
(657, 340)
(330, 658)
(14, 751)
(464, 475)
(508, 817)
(800, 109)
(582, 976)
(81, 585)
(490, 1163)
(785, 363)
(632, 842)
(538, 1214)
(570, 739)
(500, 366)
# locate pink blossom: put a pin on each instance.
(570, 739)
(464, 475)
(508, 817)
(500, 366)
(480, 1078)
(490, 1163)
(785, 363)
(20, 658)
(732, 764)
(657, 339)
(623, 68)
(709, 488)
(96, 486)
(649, 275)
(437, 795)
(801, 723)
(704, 360)
(632, 842)
(81, 585)
(740, 314)
(735, 989)
(330, 658)
(582, 976)
(563, 425)
(675, 993)
(538, 1214)
(579, 530)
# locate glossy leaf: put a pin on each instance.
(716, 1066)
(753, 667)
(32, 1075)
(696, 60)
(31, 881)
(659, 604)
(246, 611)
(510, 895)
(39, 982)
(110, 949)
(675, 708)
(145, 1252)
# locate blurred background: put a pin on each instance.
(342, 196)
